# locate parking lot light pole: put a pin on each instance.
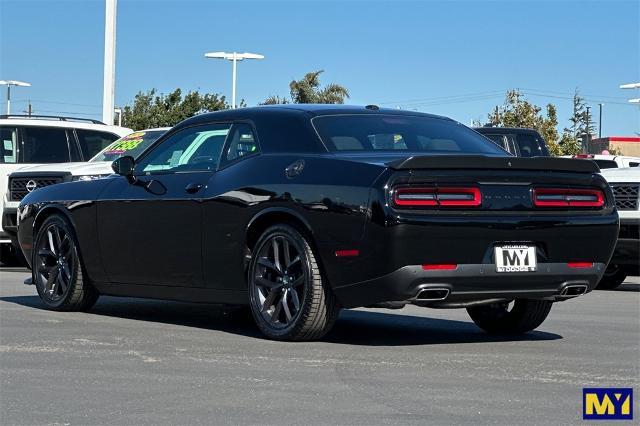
(233, 57)
(10, 83)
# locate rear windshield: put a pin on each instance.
(367, 133)
(132, 145)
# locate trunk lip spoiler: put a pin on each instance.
(489, 162)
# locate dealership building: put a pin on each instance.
(625, 145)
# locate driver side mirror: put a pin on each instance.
(123, 166)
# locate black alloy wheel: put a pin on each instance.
(57, 271)
(288, 296)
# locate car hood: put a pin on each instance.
(626, 174)
(76, 169)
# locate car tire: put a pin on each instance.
(57, 268)
(521, 316)
(289, 297)
(613, 277)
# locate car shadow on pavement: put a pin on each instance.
(628, 287)
(353, 327)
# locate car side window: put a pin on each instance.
(92, 141)
(193, 149)
(8, 145)
(242, 142)
(44, 145)
(499, 140)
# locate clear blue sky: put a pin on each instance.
(452, 58)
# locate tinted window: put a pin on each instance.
(132, 144)
(8, 144)
(633, 164)
(400, 133)
(92, 142)
(530, 145)
(192, 149)
(242, 142)
(44, 145)
(606, 164)
(499, 140)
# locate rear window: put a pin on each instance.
(367, 133)
(132, 144)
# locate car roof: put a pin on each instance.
(66, 123)
(504, 130)
(311, 110)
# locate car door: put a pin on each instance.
(225, 211)
(150, 229)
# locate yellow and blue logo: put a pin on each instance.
(607, 403)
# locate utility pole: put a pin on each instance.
(108, 92)
(587, 133)
(29, 111)
(600, 122)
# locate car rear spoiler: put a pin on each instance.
(486, 162)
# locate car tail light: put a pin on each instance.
(437, 196)
(560, 197)
(439, 266)
(580, 265)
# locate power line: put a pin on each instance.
(66, 112)
(42, 101)
(572, 93)
(437, 98)
(544, 95)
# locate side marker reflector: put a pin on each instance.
(347, 253)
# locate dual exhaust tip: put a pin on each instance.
(433, 294)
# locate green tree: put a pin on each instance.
(582, 126)
(152, 110)
(308, 91)
(518, 112)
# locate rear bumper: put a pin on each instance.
(469, 284)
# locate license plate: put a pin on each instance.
(515, 258)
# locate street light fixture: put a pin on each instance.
(10, 83)
(233, 57)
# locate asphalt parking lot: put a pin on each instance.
(132, 361)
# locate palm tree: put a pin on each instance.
(308, 91)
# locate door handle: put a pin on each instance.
(192, 188)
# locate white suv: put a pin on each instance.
(45, 139)
(625, 183)
(608, 161)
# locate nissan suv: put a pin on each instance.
(28, 140)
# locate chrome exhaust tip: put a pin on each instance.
(573, 290)
(432, 294)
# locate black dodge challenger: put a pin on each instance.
(300, 210)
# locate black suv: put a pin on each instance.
(518, 141)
